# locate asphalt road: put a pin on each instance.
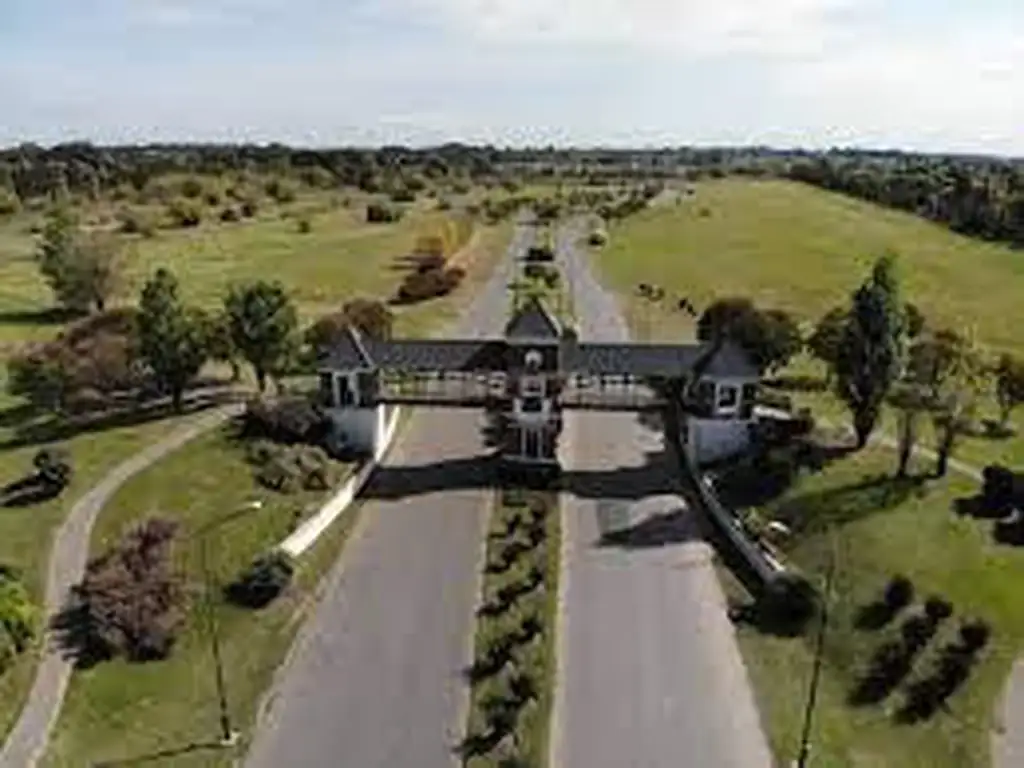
(650, 675)
(375, 679)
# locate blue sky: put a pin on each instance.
(938, 75)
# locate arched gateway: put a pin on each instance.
(527, 378)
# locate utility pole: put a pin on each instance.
(819, 647)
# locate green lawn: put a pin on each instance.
(803, 249)
(806, 250)
(26, 532)
(879, 531)
(341, 257)
(118, 710)
(536, 659)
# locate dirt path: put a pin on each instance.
(28, 739)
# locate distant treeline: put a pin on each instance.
(976, 195)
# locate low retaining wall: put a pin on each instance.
(306, 535)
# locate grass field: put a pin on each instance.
(802, 249)
(536, 659)
(118, 710)
(879, 530)
(806, 250)
(342, 256)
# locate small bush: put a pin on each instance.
(938, 609)
(230, 215)
(314, 468)
(134, 222)
(975, 635)
(280, 473)
(304, 225)
(288, 421)
(184, 214)
(262, 452)
(403, 195)
(212, 198)
(249, 208)
(266, 578)
(899, 593)
(10, 204)
(53, 467)
(191, 188)
(376, 213)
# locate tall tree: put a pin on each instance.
(1009, 386)
(263, 324)
(871, 355)
(173, 338)
(955, 403)
(83, 270)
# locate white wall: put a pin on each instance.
(361, 429)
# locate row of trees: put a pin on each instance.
(880, 350)
(978, 198)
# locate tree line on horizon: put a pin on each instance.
(974, 195)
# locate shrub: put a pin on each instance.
(53, 467)
(263, 581)
(230, 215)
(212, 198)
(287, 421)
(279, 191)
(938, 609)
(130, 601)
(249, 208)
(974, 635)
(280, 473)
(191, 188)
(304, 225)
(420, 286)
(314, 468)
(184, 214)
(19, 619)
(134, 222)
(899, 592)
(377, 213)
(260, 452)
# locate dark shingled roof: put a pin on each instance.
(353, 351)
(533, 321)
(658, 359)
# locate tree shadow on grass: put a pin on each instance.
(30, 490)
(71, 634)
(163, 754)
(821, 510)
(29, 317)
(58, 429)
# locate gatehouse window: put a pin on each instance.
(728, 400)
(531, 444)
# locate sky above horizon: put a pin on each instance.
(931, 75)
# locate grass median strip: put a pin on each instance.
(514, 660)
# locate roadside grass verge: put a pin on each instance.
(120, 711)
(880, 528)
(512, 676)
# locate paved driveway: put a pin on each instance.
(650, 673)
(375, 680)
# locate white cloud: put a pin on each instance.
(964, 90)
(699, 27)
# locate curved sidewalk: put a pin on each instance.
(27, 740)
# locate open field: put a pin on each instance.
(120, 710)
(797, 248)
(340, 257)
(806, 250)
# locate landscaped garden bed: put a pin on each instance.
(514, 659)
